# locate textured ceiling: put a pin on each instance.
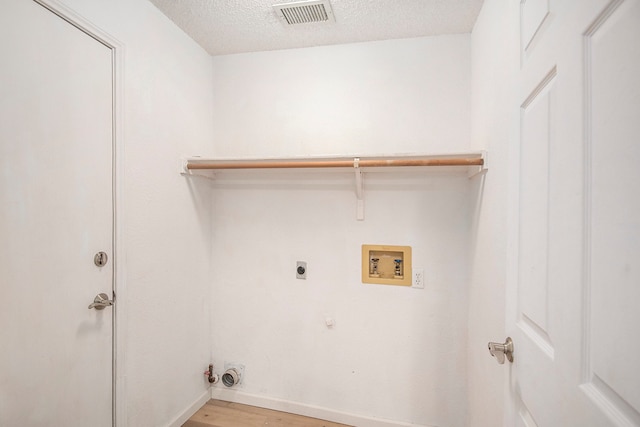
(234, 26)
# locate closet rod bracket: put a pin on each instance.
(359, 189)
(183, 168)
(482, 169)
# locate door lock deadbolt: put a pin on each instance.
(100, 259)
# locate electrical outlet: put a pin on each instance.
(418, 278)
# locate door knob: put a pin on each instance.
(500, 351)
(100, 302)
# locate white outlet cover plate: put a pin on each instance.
(417, 281)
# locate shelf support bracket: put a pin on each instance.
(359, 190)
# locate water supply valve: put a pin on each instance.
(211, 376)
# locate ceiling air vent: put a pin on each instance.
(304, 12)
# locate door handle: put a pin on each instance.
(500, 351)
(100, 302)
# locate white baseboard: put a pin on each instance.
(233, 395)
(192, 409)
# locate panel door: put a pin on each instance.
(575, 282)
(56, 212)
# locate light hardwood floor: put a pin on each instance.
(216, 413)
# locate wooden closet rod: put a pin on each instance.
(293, 164)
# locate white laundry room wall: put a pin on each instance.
(394, 354)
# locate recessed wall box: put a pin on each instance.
(386, 265)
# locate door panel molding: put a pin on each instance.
(525, 419)
(533, 13)
(608, 374)
(611, 403)
(535, 17)
(536, 135)
(537, 335)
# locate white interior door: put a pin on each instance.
(575, 283)
(56, 212)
